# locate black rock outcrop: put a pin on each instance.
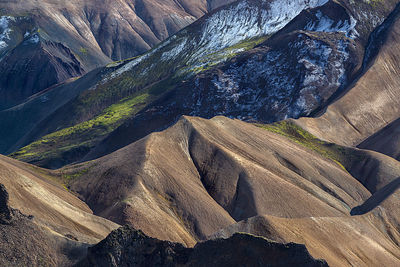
(5, 211)
(129, 247)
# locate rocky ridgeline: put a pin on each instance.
(129, 247)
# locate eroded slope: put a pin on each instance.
(35, 192)
(200, 176)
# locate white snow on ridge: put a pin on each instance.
(5, 30)
(271, 82)
(245, 20)
(326, 24)
(128, 66)
(230, 26)
(175, 51)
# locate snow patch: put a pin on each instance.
(175, 51)
(5, 30)
(128, 66)
(326, 24)
(245, 21)
(289, 81)
(225, 28)
(34, 39)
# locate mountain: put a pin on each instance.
(371, 102)
(205, 179)
(263, 133)
(204, 73)
(200, 176)
(45, 43)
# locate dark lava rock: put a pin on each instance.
(129, 247)
(5, 211)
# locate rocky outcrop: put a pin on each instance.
(5, 211)
(129, 247)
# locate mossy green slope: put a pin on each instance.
(138, 87)
(85, 135)
(339, 154)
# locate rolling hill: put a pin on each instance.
(189, 182)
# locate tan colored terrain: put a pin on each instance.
(342, 241)
(200, 176)
(202, 179)
(52, 206)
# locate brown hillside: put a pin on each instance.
(52, 206)
(368, 240)
(386, 141)
(199, 176)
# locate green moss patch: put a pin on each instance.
(84, 135)
(338, 154)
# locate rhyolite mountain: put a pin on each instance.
(205, 180)
(43, 43)
(304, 154)
(254, 60)
(200, 177)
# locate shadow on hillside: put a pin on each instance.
(377, 198)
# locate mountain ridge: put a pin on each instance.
(84, 35)
(126, 78)
(262, 133)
